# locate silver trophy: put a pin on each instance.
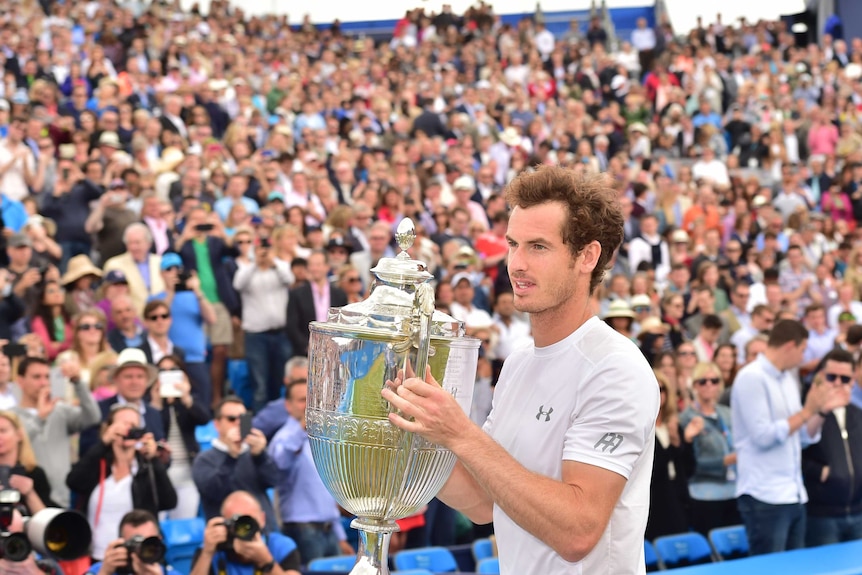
(375, 470)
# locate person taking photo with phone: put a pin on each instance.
(181, 412)
(237, 461)
(122, 472)
(263, 285)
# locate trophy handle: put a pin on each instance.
(424, 305)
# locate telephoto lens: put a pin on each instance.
(14, 547)
(242, 527)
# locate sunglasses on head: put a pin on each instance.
(705, 380)
(156, 316)
(833, 377)
(89, 326)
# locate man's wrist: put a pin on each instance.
(806, 414)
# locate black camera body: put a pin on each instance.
(242, 527)
(149, 550)
(14, 547)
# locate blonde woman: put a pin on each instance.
(26, 476)
(708, 430)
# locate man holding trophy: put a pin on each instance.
(563, 463)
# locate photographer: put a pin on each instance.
(121, 472)
(190, 313)
(31, 565)
(225, 551)
(263, 284)
(137, 529)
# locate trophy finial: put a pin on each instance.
(405, 234)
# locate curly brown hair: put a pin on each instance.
(594, 212)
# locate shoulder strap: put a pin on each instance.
(103, 465)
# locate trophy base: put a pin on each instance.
(374, 536)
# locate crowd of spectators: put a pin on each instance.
(183, 192)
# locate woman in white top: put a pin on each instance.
(123, 471)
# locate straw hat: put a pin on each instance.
(171, 159)
(510, 137)
(653, 325)
(134, 357)
(619, 308)
(79, 266)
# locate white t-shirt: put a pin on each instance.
(116, 502)
(590, 398)
(12, 182)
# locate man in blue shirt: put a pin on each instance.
(265, 554)
(309, 514)
(137, 522)
(272, 417)
(771, 426)
(190, 311)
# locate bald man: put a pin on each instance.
(265, 554)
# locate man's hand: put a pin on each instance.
(27, 280)
(436, 415)
(26, 567)
(71, 367)
(149, 448)
(254, 551)
(116, 557)
(194, 283)
(693, 429)
(45, 403)
(214, 535)
(346, 548)
(256, 441)
(117, 430)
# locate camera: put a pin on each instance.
(149, 550)
(242, 527)
(204, 227)
(265, 243)
(182, 280)
(135, 433)
(56, 533)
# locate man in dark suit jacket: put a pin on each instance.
(132, 376)
(311, 301)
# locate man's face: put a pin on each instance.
(763, 321)
(229, 419)
(5, 372)
(158, 321)
(123, 313)
(505, 304)
(793, 353)
(20, 256)
(841, 374)
(295, 403)
(317, 267)
(816, 320)
(740, 296)
(146, 531)
(35, 380)
(543, 272)
(132, 383)
(244, 506)
(137, 245)
(710, 335)
(463, 292)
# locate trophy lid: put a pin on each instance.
(389, 307)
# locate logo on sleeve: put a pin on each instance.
(608, 443)
(546, 414)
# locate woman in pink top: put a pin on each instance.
(823, 136)
(836, 204)
(50, 320)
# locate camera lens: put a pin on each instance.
(150, 550)
(14, 547)
(245, 527)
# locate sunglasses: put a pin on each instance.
(89, 326)
(833, 377)
(353, 280)
(705, 380)
(686, 353)
(640, 309)
(156, 316)
(231, 418)
(243, 242)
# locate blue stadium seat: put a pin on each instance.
(729, 542)
(205, 435)
(489, 565)
(333, 564)
(413, 572)
(436, 559)
(683, 549)
(650, 557)
(182, 538)
(482, 549)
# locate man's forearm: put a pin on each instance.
(555, 512)
(463, 493)
(203, 565)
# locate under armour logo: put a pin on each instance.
(547, 414)
(609, 440)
